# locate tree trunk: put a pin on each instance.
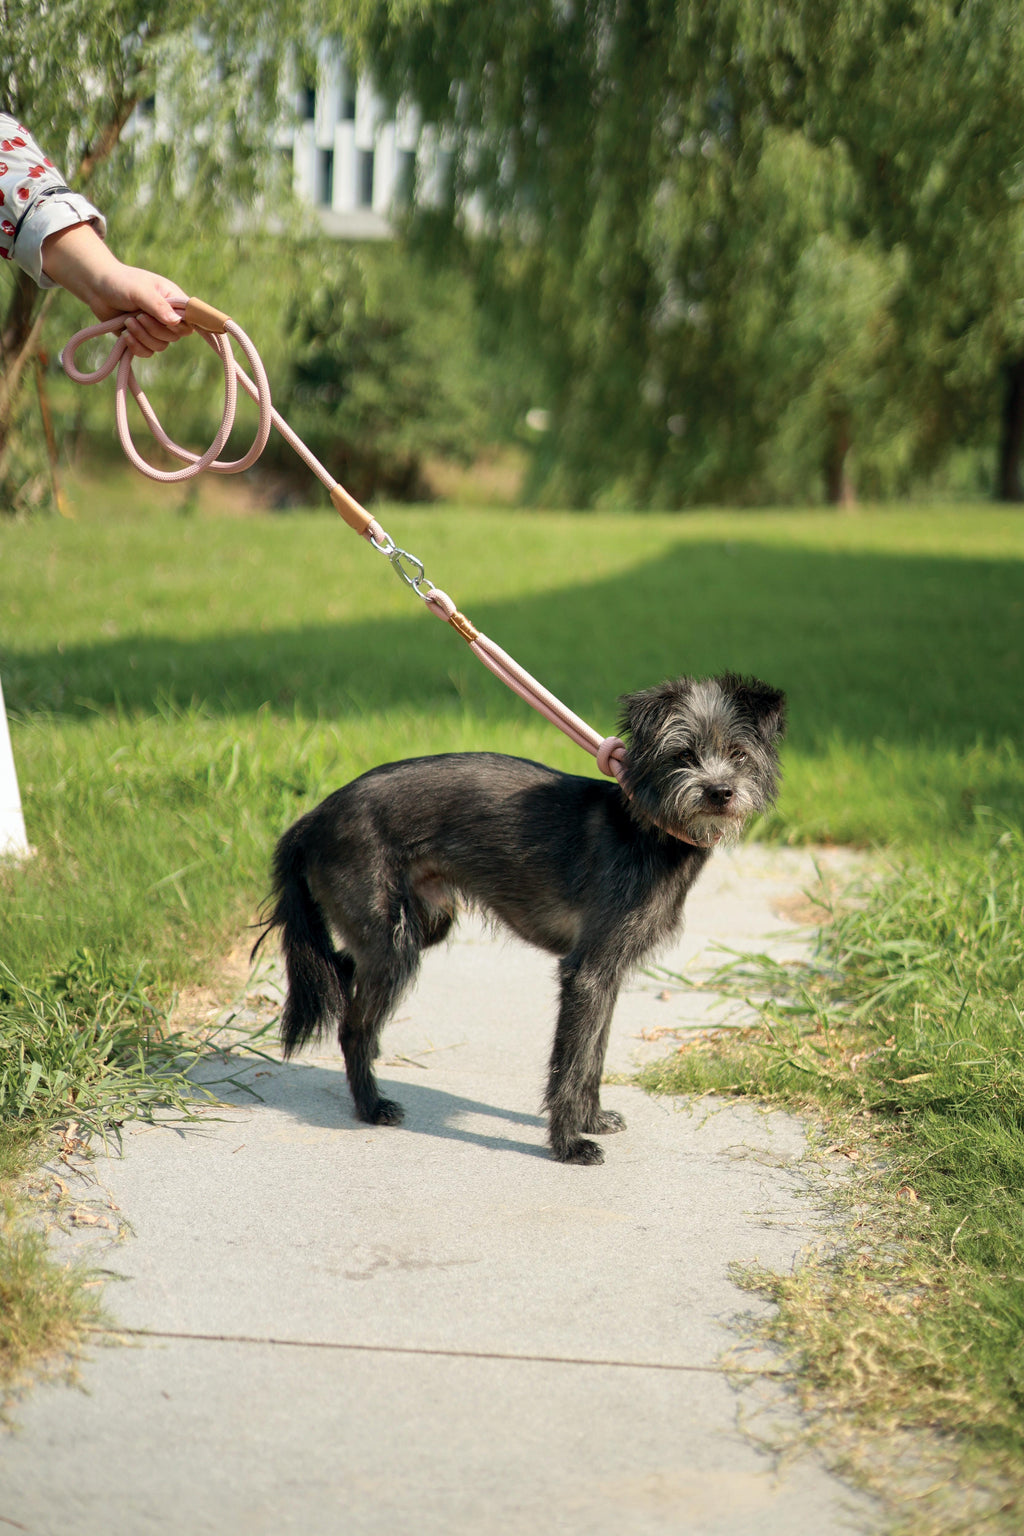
(18, 319)
(839, 490)
(1011, 439)
(19, 339)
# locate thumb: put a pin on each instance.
(154, 294)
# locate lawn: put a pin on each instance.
(183, 683)
(181, 687)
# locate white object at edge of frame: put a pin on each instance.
(13, 840)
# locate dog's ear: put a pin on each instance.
(764, 705)
(643, 713)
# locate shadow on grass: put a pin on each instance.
(869, 647)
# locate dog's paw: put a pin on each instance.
(386, 1112)
(604, 1122)
(586, 1153)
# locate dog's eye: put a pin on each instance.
(737, 755)
(687, 758)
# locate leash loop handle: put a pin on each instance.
(216, 329)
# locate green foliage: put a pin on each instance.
(383, 368)
(225, 70)
(225, 65)
(919, 96)
(377, 358)
(753, 244)
(25, 470)
(750, 251)
(375, 361)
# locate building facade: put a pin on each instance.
(354, 159)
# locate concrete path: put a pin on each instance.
(438, 1330)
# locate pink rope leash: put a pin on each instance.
(216, 328)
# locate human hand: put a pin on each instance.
(144, 297)
(81, 262)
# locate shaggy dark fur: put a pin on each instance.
(577, 866)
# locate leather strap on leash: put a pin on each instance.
(216, 329)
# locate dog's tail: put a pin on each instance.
(316, 996)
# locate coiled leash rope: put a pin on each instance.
(216, 328)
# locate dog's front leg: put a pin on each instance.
(590, 986)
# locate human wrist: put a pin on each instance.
(80, 261)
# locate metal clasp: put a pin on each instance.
(406, 565)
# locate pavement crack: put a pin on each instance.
(343, 1346)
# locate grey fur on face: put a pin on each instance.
(702, 757)
(593, 873)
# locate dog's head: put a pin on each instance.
(701, 753)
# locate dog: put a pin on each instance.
(592, 871)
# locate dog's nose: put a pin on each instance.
(719, 794)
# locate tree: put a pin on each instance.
(925, 96)
(649, 175)
(564, 123)
(382, 373)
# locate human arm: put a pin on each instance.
(56, 236)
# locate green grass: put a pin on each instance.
(182, 686)
(85, 1045)
(45, 1308)
(89, 1043)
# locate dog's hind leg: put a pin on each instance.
(345, 969)
(385, 964)
(590, 986)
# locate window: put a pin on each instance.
(405, 177)
(325, 177)
(364, 178)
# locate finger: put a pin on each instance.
(159, 331)
(143, 344)
(156, 330)
(147, 332)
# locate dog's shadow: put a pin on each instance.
(319, 1097)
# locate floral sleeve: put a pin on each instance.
(34, 201)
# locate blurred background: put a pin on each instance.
(585, 253)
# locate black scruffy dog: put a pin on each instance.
(594, 872)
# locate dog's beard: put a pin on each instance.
(715, 831)
(687, 808)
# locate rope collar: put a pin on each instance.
(611, 759)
